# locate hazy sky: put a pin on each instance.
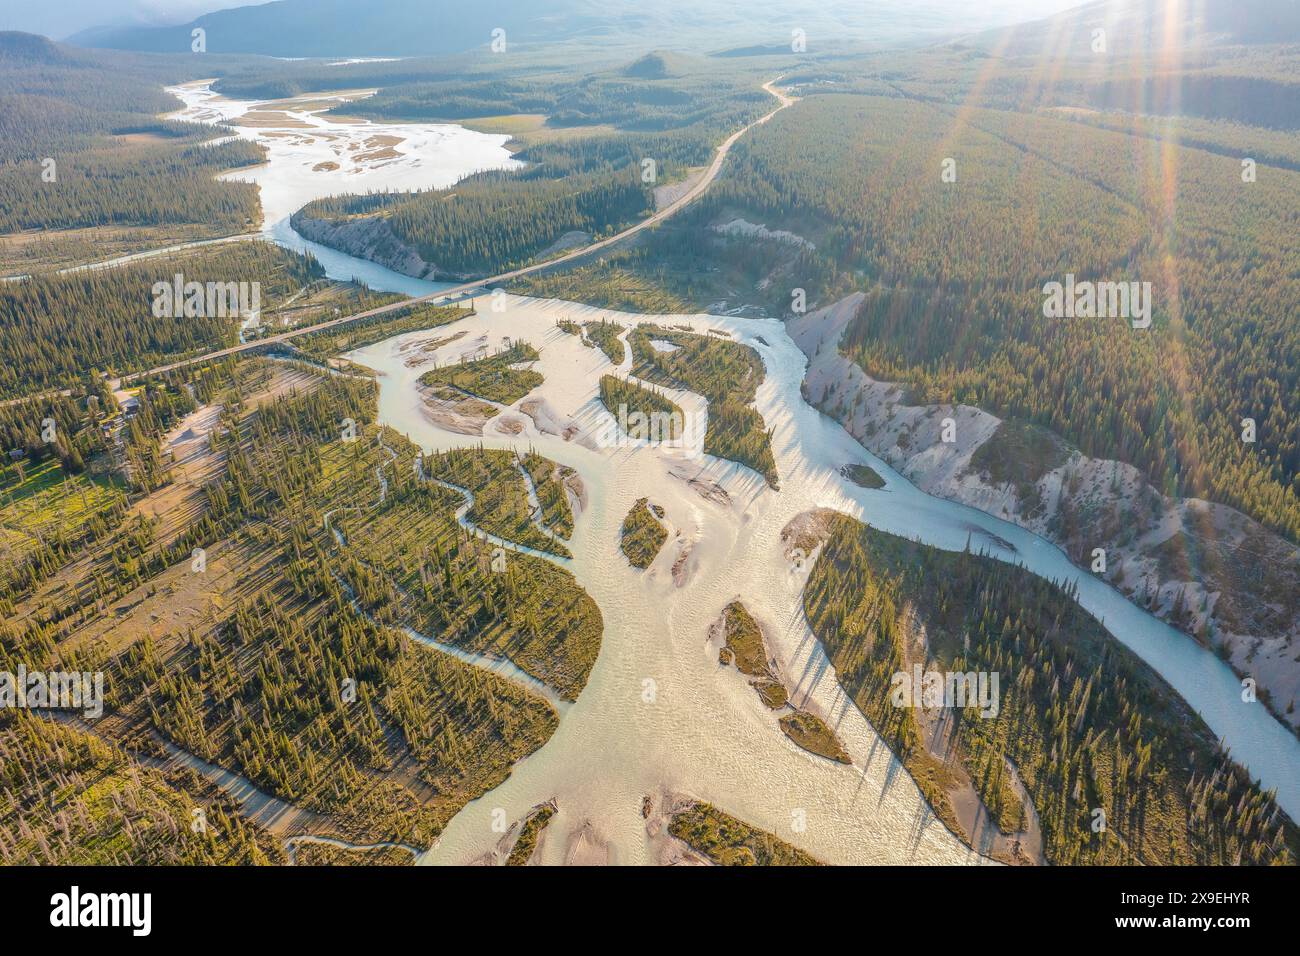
(61, 18)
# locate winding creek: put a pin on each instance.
(659, 714)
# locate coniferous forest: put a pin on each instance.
(85, 156)
(54, 329)
(1081, 721)
(323, 640)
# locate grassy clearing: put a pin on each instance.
(43, 500)
(46, 515)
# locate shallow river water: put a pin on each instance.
(312, 156)
(659, 714)
(703, 731)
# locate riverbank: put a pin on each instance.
(1206, 569)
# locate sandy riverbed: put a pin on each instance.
(659, 713)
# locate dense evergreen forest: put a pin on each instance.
(1170, 402)
(156, 174)
(1085, 724)
(632, 279)
(585, 167)
(95, 116)
(497, 221)
(56, 328)
(305, 641)
(299, 674)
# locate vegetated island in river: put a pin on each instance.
(605, 336)
(727, 374)
(642, 413)
(643, 534)
(744, 646)
(728, 841)
(493, 378)
(530, 834)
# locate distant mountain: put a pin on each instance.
(28, 49)
(662, 64)
(1149, 26)
(356, 28)
(330, 28)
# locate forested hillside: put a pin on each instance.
(957, 306)
(158, 174)
(496, 221)
(81, 146)
(56, 328)
(1083, 723)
